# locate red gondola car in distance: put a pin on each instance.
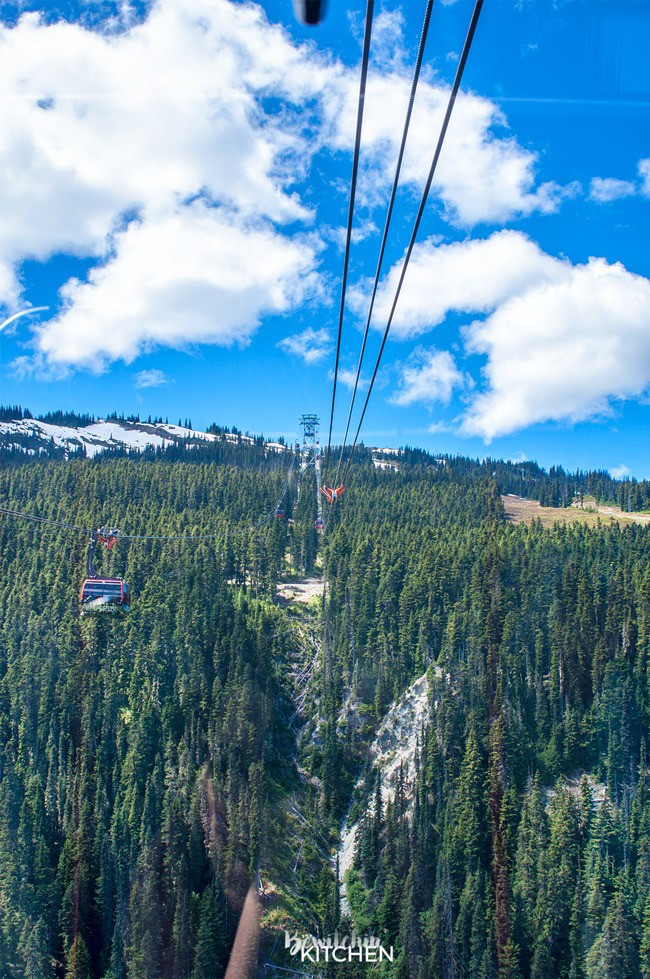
(104, 595)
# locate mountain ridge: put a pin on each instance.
(33, 436)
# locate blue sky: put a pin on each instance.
(173, 186)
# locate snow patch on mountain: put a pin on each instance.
(33, 437)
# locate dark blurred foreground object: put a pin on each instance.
(310, 11)
(243, 957)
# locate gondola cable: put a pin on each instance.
(278, 504)
(353, 186)
(87, 530)
(441, 138)
(389, 213)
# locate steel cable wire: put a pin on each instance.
(441, 138)
(389, 213)
(353, 186)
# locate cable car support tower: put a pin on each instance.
(311, 456)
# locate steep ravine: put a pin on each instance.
(393, 749)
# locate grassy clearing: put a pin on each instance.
(520, 510)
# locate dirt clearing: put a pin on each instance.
(520, 510)
(301, 589)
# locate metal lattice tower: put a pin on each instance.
(309, 425)
(311, 454)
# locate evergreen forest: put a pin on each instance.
(155, 764)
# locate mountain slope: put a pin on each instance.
(35, 437)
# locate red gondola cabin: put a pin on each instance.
(104, 595)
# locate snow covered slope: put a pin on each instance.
(27, 435)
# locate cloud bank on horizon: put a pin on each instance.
(175, 155)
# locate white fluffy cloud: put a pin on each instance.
(98, 124)
(469, 276)
(9, 286)
(481, 176)
(603, 190)
(561, 341)
(183, 278)
(644, 173)
(565, 350)
(310, 345)
(348, 377)
(430, 376)
(133, 148)
(164, 122)
(151, 379)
